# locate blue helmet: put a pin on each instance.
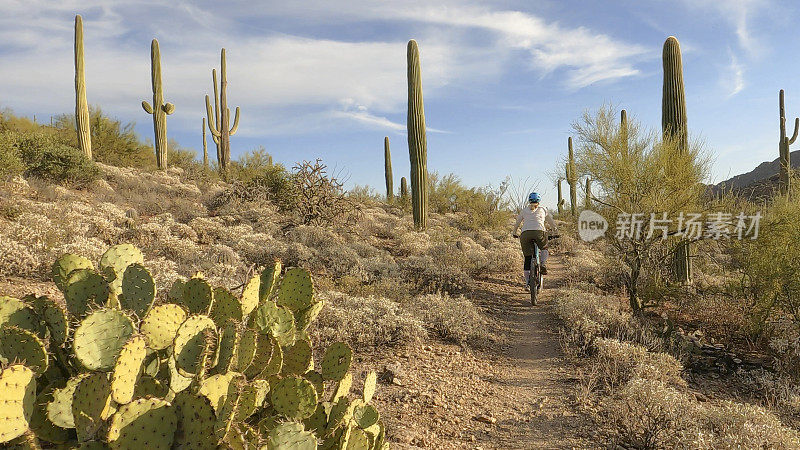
(534, 198)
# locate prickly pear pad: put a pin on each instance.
(357, 440)
(127, 370)
(276, 320)
(248, 345)
(91, 405)
(116, 259)
(298, 358)
(249, 300)
(341, 412)
(336, 361)
(41, 424)
(291, 435)
(365, 416)
(297, 290)
(161, 325)
(17, 401)
(66, 264)
(227, 345)
(198, 296)
(370, 382)
(343, 387)
(215, 387)
(138, 289)
(226, 306)
(190, 342)
(16, 313)
(230, 405)
(316, 379)
(145, 423)
(304, 318)
(294, 397)
(59, 410)
(263, 354)
(251, 398)
(100, 337)
(195, 421)
(268, 281)
(19, 345)
(85, 288)
(54, 316)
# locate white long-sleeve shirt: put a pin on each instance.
(534, 220)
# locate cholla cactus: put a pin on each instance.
(209, 369)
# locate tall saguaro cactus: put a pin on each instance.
(587, 197)
(673, 126)
(403, 189)
(560, 197)
(623, 130)
(219, 119)
(417, 144)
(205, 145)
(784, 178)
(387, 169)
(159, 110)
(81, 105)
(572, 178)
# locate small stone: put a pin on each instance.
(485, 419)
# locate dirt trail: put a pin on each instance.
(520, 396)
(537, 375)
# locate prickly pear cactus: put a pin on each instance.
(161, 325)
(196, 420)
(277, 321)
(190, 343)
(100, 337)
(127, 369)
(115, 260)
(18, 398)
(149, 420)
(20, 345)
(138, 289)
(66, 264)
(291, 435)
(91, 405)
(14, 312)
(336, 361)
(294, 397)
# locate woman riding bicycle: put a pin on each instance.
(533, 233)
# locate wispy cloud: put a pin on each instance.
(739, 14)
(291, 78)
(733, 75)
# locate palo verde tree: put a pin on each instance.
(640, 182)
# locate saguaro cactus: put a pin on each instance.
(219, 119)
(205, 145)
(387, 168)
(417, 144)
(560, 197)
(572, 178)
(587, 196)
(673, 126)
(81, 106)
(623, 130)
(784, 178)
(403, 189)
(159, 110)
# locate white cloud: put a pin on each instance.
(733, 75)
(739, 14)
(302, 83)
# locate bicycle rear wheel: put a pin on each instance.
(535, 284)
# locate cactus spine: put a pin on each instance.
(403, 188)
(572, 178)
(205, 145)
(673, 126)
(159, 110)
(417, 145)
(81, 106)
(387, 168)
(784, 178)
(219, 119)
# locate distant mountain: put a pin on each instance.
(759, 182)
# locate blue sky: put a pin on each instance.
(502, 80)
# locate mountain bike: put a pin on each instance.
(536, 278)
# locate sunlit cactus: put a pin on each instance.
(387, 168)
(417, 143)
(81, 105)
(784, 175)
(219, 119)
(159, 110)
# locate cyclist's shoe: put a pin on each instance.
(544, 270)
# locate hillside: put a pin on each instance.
(759, 182)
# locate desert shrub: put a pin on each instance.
(10, 161)
(429, 276)
(267, 184)
(620, 361)
(366, 322)
(320, 197)
(482, 207)
(47, 158)
(638, 173)
(365, 194)
(588, 315)
(648, 414)
(454, 319)
(112, 142)
(732, 425)
(250, 165)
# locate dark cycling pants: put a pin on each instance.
(526, 241)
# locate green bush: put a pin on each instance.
(10, 161)
(112, 142)
(46, 157)
(483, 207)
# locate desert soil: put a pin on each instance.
(519, 395)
